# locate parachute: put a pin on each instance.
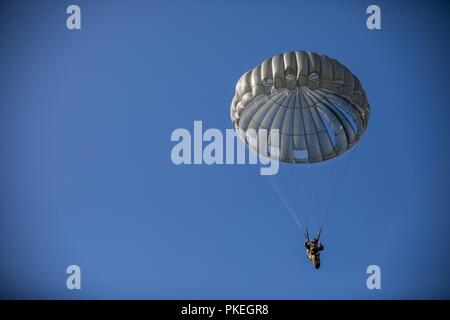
(317, 105)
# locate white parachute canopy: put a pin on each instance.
(316, 103)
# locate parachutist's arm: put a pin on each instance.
(321, 247)
(307, 245)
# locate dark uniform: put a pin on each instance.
(313, 249)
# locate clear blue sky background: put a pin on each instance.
(86, 176)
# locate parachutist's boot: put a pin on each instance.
(316, 262)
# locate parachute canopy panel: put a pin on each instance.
(318, 106)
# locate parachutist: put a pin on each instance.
(313, 249)
(319, 107)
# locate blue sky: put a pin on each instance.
(86, 176)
